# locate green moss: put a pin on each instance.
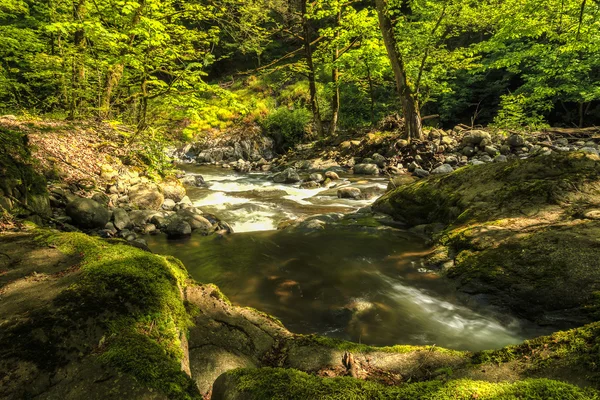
(217, 294)
(129, 297)
(577, 348)
(363, 348)
(269, 383)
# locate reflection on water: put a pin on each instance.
(356, 285)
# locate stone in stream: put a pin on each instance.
(288, 176)
(178, 228)
(196, 221)
(332, 175)
(349, 193)
(121, 219)
(310, 185)
(366, 169)
(87, 213)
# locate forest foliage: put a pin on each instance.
(201, 65)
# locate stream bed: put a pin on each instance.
(366, 285)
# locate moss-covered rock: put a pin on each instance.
(515, 233)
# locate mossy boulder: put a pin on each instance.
(515, 233)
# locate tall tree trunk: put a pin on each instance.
(312, 85)
(335, 77)
(78, 71)
(410, 104)
(371, 92)
(112, 81)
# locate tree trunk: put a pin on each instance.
(312, 85)
(371, 92)
(335, 77)
(112, 80)
(410, 104)
(78, 71)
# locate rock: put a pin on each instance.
(110, 229)
(87, 213)
(589, 150)
(196, 221)
(592, 214)
(287, 176)
(168, 205)
(515, 141)
(310, 185)
(193, 180)
(476, 137)
(366, 169)
(402, 143)
(421, 173)
(349, 193)
(159, 221)
(491, 151)
(101, 198)
(468, 151)
(412, 166)
(186, 200)
(379, 160)
(173, 189)
(443, 169)
(332, 175)
(121, 219)
(146, 196)
(485, 158)
(501, 158)
(505, 149)
(452, 160)
(476, 162)
(140, 244)
(400, 180)
(149, 229)
(178, 228)
(316, 177)
(139, 218)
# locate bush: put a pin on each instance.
(287, 127)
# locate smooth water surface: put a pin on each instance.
(361, 284)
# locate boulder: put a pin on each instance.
(315, 177)
(87, 213)
(288, 176)
(443, 169)
(121, 219)
(421, 173)
(366, 169)
(196, 221)
(349, 193)
(168, 205)
(173, 189)
(515, 141)
(476, 137)
(400, 180)
(178, 228)
(310, 185)
(146, 196)
(379, 160)
(331, 175)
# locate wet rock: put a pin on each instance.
(287, 176)
(121, 219)
(159, 221)
(349, 193)
(310, 185)
(87, 213)
(178, 228)
(193, 180)
(146, 196)
(515, 141)
(366, 169)
(443, 169)
(196, 221)
(149, 229)
(315, 177)
(139, 218)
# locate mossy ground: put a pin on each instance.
(269, 383)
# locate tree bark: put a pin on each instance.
(335, 77)
(78, 71)
(408, 99)
(312, 85)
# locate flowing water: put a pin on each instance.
(364, 285)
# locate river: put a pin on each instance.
(361, 284)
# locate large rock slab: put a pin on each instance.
(87, 213)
